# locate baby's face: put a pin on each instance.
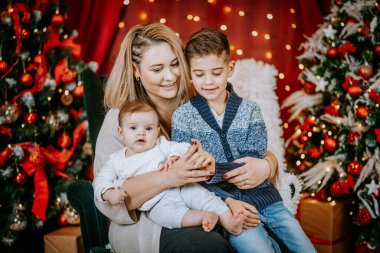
(139, 131)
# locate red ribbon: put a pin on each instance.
(6, 131)
(35, 164)
(348, 47)
(54, 42)
(377, 133)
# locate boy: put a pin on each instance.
(146, 151)
(230, 128)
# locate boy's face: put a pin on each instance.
(209, 75)
(139, 131)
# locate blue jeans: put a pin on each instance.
(282, 223)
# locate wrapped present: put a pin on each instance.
(327, 224)
(64, 240)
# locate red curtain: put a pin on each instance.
(103, 24)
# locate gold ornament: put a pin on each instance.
(71, 215)
(67, 99)
(87, 149)
(17, 221)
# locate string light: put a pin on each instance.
(143, 15)
(303, 156)
(223, 27)
(322, 142)
(298, 131)
(301, 66)
(268, 55)
(319, 182)
(196, 18)
(286, 125)
(49, 98)
(267, 36)
(269, 16)
(162, 20)
(281, 76)
(151, 1)
(298, 163)
(288, 47)
(309, 134)
(227, 9)
(121, 24)
(241, 13)
(189, 17)
(22, 125)
(294, 26)
(328, 169)
(232, 47)
(329, 133)
(239, 52)
(292, 11)
(211, 1)
(254, 33)
(287, 88)
(329, 199)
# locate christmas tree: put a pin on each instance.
(43, 129)
(336, 143)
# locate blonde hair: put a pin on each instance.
(122, 86)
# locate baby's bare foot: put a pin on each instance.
(232, 223)
(209, 221)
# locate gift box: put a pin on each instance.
(327, 224)
(64, 240)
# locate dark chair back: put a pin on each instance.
(94, 226)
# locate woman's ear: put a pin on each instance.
(136, 71)
(231, 68)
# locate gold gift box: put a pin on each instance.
(64, 240)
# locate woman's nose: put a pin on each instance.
(168, 74)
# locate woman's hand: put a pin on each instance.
(251, 174)
(195, 166)
(251, 216)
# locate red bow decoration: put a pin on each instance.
(5, 131)
(348, 47)
(377, 132)
(348, 82)
(35, 162)
(54, 42)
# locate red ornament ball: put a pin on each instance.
(362, 112)
(64, 141)
(78, 91)
(31, 118)
(309, 88)
(352, 137)
(304, 138)
(355, 90)
(336, 189)
(365, 71)
(351, 21)
(377, 49)
(372, 94)
(26, 79)
(332, 52)
(3, 66)
(57, 19)
(62, 220)
(330, 144)
(21, 178)
(321, 195)
(37, 59)
(332, 109)
(363, 217)
(354, 168)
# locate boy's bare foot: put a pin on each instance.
(209, 221)
(232, 223)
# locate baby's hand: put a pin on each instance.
(168, 163)
(114, 196)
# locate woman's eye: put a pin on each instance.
(198, 75)
(175, 64)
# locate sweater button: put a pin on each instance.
(228, 155)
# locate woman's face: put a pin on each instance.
(159, 72)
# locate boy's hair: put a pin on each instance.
(207, 41)
(134, 106)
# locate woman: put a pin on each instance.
(151, 66)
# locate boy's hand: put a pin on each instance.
(202, 159)
(251, 216)
(114, 196)
(168, 163)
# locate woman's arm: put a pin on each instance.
(143, 187)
